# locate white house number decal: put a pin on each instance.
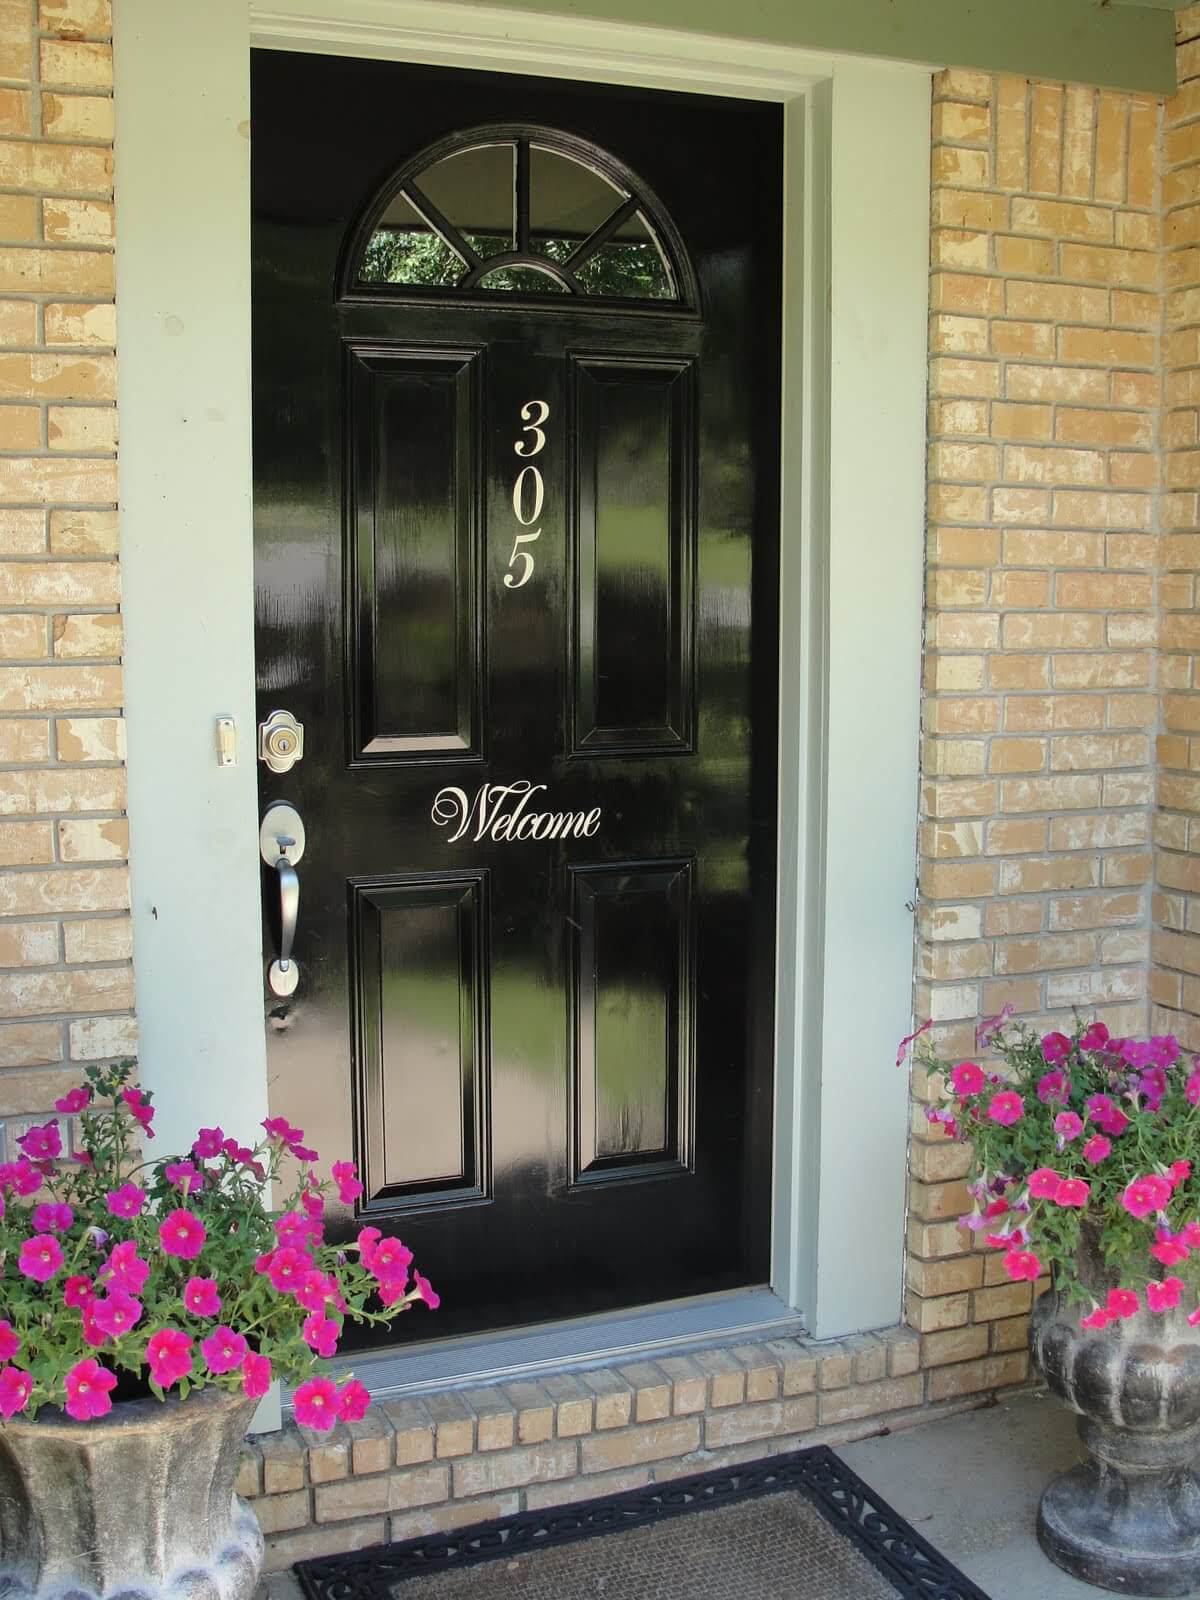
(500, 811)
(529, 491)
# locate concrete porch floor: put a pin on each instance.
(969, 1483)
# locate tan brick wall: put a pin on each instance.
(1175, 975)
(1038, 761)
(66, 989)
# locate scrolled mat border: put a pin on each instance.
(911, 1564)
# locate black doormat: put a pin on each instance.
(909, 1563)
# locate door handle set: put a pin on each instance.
(281, 844)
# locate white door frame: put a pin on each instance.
(855, 272)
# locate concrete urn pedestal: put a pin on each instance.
(1129, 1518)
(136, 1506)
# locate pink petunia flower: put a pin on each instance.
(1096, 1148)
(91, 1333)
(15, 1388)
(1122, 1303)
(1179, 1172)
(201, 1298)
(321, 1334)
(1072, 1192)
(1053, 1086)
(1146, 1194)
(116, 1313)
(89, 1386)
(10, 1342)
(314, 1291)
(1006, 1107)
(315, 1404)
(433, 1300)
(1191, 1089)
(126, 1267)
(224, 1350)
(41, 1258)
(1169, 1248)
(256, 1375)
(52, 1217)
(367, 1239)
(1056, 1047)
(349, 1187)
(169, 1356)
(288, 1269)
(1106, 1114)
(1096, 1318)
(184, 1176)
(74, 1101)
(966, 1079)
(280, 1128)
(140, 1109)
(1094, 1037)
(127, 1201)
(21, 1176)
(1044, 1182)
(78, 1291)
(1068, 1125)
(208, 1143)
(1163, 1296)
(353, 1401)
(1191, 1235)
(43, 1142)
(1021, 1265)
(990, 1028)
(390, 1260)
(183, 1235)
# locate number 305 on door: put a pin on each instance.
(529, 492)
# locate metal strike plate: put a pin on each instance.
(226, 739)
(280, 741)
(281, 834)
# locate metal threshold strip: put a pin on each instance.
(581, 1342)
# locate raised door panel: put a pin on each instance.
(414, 669)
(634, 554)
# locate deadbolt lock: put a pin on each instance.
(280, 741)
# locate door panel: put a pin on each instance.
(516, 566)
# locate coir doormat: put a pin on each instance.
(802, 1526)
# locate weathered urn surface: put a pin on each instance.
(139, 1505)
(1129, 1518)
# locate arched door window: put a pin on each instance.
(529, 213)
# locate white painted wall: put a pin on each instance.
(183, 372)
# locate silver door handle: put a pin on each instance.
(281, 845)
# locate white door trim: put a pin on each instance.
(856, 252)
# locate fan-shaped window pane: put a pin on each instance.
(519, 203)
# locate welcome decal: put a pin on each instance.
(502, 812)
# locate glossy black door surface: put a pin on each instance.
(516, 388)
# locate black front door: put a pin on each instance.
(516, 381)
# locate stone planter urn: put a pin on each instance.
(1129, 1518)
(136, 1506)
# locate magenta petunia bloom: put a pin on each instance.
(1096, 1148)
(184, 1175)
(52, 1217)
(169, 1356)
(1191, 1235)
(1165, 1295)
(10, 1342)
(1122, 1303)
(1006, 1107)
(1146, 1194)
(208, 1143)
(74, 1101)
(116, 1313)
(41, 1258)
(1179, 1172)
(42, 1143)
(321, 1334)
(88, 1388)
(126, 1267)
(79, 1291)
(183, 1235)
(288, 1269)
(314, 1404)
(1106, 1114)
(390, 1260)
(1068, 1126)
(91, 1333)
(140, 1109)
(1053, 1086)
(127, 1201)
(349, 1187)
(1094, 1037)
(201, 1298)
(1191, 1089)
(1072, 1192)
(280, 1128)
(256, 1375)
(1096, 1318)
(224, 1350)
(1170, 1248)
(1044, 1182)
(353, 1401)
(1021, 1265)
(1056, 1047)
(21, 1176)
(427, 1292)
(314, 1291)
(15, 1388)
